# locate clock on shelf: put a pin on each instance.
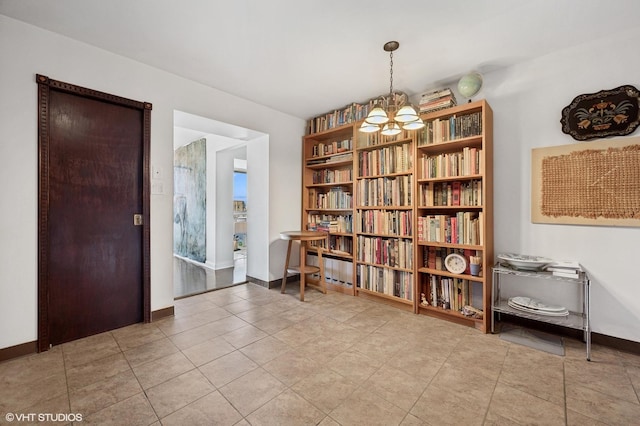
(455, 263)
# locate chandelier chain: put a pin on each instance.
(390, 115)
(391, 73)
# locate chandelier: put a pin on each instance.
(391, 113)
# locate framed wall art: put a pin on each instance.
(587, 184)
(614, 112)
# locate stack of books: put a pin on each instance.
(565, 269)
(439, 99)
(327, 226)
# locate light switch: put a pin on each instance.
(157, 188)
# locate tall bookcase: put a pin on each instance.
(395, 207)
(454, 213)
(384, 214)
(327, 197)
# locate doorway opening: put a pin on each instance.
(240, 203)
(215, 233)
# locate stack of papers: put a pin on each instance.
(564, 269)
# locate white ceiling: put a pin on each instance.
(305, 58)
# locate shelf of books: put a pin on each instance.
(454, 214)
(328, 202)
(384, 239)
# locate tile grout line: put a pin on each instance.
(564, 392)
(625, 367)
(426, 387)
(66, 378)
(495, 385)
(144, 391)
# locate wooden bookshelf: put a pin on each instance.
(327, 200)
(384, 240)
(454, 212)
(389, 181)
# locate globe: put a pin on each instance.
(470, 84)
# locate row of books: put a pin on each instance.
(325, 226)
(391, 159)
(468, 162)
(394, 252)
(338, 158)
(454, 127)
(385, 281)
(461, 228)
(433, 257)
(335, 198)
(385, 191)
(366, 140)
(450, 193)
(330, 223)
(338, 245)
(336, 271)
(331, 148)
(349, 114)
(332, 176)
(386, 222)
(446, 293)
(437, 100)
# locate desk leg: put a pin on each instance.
(303, 261)
(286, 267)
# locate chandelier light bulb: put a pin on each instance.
(369, 128)
(406, 114)
(377, 116)
(391, 129)
(413, 125)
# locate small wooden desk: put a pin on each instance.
(304, 237)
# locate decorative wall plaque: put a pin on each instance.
(614, 112)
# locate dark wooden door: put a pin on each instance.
(95, 263)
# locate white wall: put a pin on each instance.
(259, 259)
(221, 163)
(527, 101)
(223, 233)
(27, 50)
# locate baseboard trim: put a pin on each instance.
(18, 350)
(273, 283)
(32, 347)
(222, 265)
(617, 343)
(162, 313)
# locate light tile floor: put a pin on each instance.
(246, 355)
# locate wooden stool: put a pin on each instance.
(304, 237)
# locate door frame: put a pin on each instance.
(45, 85)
